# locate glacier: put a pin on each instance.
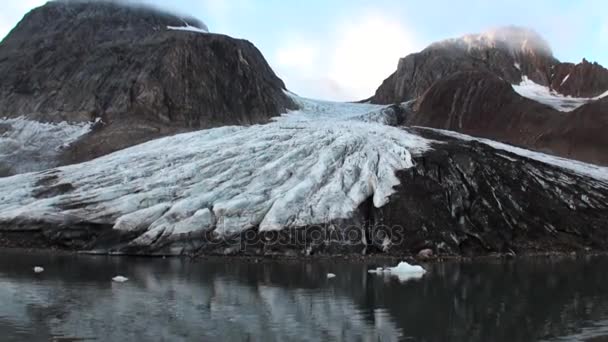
(28, 145)
(310, 166)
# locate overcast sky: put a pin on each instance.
(344, 49)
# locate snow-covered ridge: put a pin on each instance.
(311, 166)
(581, 168)
(27, 145)
(539, 93)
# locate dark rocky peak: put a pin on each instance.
(129, 68)
(95, 22)
(584, 79)
(509, 53)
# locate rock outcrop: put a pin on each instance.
(142, 72)
(509, 53)
(579, 135)
(580, 80)
(481, 104)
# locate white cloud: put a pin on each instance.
(367, 51)
(298, 54)
(350, 63)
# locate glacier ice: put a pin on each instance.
(28, 145)
(310, 166)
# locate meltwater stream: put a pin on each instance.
(563, 299)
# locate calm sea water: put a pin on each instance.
(233, 300)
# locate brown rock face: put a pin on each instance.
(77, 61)
(580, 134)
(580, 80)
(504, 53)
(480, 104)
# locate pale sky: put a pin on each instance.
(344, 49)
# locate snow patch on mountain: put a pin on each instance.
(35, 144)
(539, 93)
(311, 166)
(188, 28)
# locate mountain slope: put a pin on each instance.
(141, 72)
(328, 179)
(510, 53)
(481, 104)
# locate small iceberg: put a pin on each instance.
(120, 279)
(330, 275)
(38, 269)
(403, 271)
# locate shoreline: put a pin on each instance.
(370, 258)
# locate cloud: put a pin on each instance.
(350, 63)
(298, 54)
(367, 50)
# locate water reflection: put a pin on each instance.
(231, 300)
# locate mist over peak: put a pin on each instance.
(515, 39)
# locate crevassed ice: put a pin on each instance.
(27, 145)
(539, 93)
(311, 166)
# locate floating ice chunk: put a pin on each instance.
(120, 279)
(38, 269)
(403, 271)
(378, 270)
(330, 275)
(405, 268)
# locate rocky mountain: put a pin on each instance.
(510, 53)
(505, 85)
(483, 105)
(331, 178)
(138, 72)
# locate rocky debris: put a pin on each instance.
(466, 198)
(462, 198)
(580, 80)
(78, 61)
(509, 53)
(425, 254)
(481, 104)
